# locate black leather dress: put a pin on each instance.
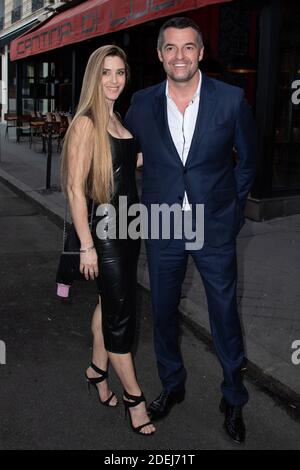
(118, 257)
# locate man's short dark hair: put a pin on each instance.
(179, 22)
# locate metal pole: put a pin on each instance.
(49, 159)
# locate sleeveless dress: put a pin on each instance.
(118, 256)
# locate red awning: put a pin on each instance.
(96, 18)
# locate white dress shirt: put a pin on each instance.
(182, 127)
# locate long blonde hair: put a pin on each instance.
(92, 103)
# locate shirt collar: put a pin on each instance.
(196, 95)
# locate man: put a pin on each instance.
(187, 128)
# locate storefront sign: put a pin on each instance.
(96, 18)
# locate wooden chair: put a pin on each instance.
(49, 117)
(57, 117)
(11, 121)
(24, 127)
(64, 124)
(37, 124)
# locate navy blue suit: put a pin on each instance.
(211, 177)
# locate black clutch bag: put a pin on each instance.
(69, 262)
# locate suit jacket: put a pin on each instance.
(210, 176)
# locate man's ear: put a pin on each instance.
(159, 55)
(201, 54)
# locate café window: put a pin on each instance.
(28, 87)
(2, 14)
(16, 13)
(12, 87)
(45, 92)
(38, 87)
(286, 151)
(37, 4)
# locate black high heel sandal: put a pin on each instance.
(131, 404)
(96, 380)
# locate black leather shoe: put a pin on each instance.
(234, 424)
(163, 404)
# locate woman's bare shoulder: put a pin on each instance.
(83, 122)
(82, 128)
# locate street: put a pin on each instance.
(43, 398)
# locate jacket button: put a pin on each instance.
(185, 171)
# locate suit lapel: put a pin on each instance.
(206, 108)
(161, 119)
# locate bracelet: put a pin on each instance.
(87, 250)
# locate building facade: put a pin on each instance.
(17, 17)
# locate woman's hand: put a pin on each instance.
(89, 264)
(139, 161)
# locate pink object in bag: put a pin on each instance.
(63, 290)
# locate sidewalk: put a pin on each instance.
(269, 273)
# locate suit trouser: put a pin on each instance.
(218, 269)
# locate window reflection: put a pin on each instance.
(286, 157)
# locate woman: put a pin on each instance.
(98, 163)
